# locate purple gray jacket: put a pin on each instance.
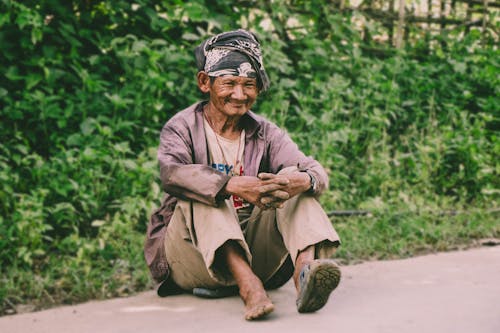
(185, 172)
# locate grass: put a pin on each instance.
(390, 235)
(72, 279)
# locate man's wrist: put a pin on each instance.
(227, 189)
(312, 182)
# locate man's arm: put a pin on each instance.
(283, 152)
(179, 175)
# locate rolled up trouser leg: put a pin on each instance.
(196, 231)
(302, 222)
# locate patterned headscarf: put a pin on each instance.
(235, 53)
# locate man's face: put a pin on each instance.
(233, 95)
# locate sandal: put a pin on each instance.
(317, 280)
(216, 293)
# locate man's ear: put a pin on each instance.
(203, 81)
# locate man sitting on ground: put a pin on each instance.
(241, 204)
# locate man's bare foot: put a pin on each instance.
(257, 303)
(252, 292)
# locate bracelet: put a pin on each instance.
(313, 182)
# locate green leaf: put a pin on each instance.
(129, 164)
(190, 36)
(195, 11)
(98, 223)
(32, 80)
(74, 139)
(12, 74)
(4, 18)
(88, 126)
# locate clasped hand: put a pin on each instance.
(268, 190)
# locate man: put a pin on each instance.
(241, 203)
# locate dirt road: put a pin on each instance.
(447, 292)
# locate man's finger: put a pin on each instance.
(266, 175)
(277, 180)
(273, 178)
(267, 188)
(270, 202)
(281, 195)
(267, 200)
(275, 196)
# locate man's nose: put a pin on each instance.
(238, 92)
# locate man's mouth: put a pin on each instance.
(237, 104)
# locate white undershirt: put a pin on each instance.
(220, 147)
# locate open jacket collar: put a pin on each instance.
(249, 120)
(254, 140)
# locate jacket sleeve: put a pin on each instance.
(283, 152)
(179, 175)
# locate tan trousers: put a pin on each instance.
(196, 231)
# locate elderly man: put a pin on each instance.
(241, 205)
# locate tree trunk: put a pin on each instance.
(442, 14)
(485, 21)
(468, 17)
(401, 25)
(390, 32)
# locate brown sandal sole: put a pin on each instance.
(317, 281)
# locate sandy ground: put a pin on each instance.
(446, 292)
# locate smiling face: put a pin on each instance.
(231, 96)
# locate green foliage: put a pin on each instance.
(405, 234)
(86, 86)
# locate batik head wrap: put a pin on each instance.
(234, 53)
